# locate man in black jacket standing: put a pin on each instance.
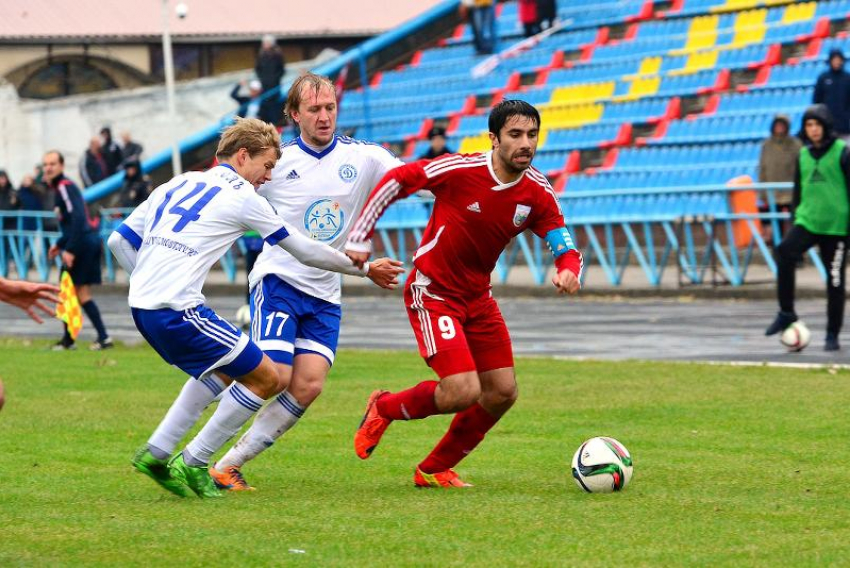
(79, 246)
(111, 151)
(270, 69)
(833, 90)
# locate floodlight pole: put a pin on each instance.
(168, 61)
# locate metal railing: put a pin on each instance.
(698, 243)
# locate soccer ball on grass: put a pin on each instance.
(602, 465)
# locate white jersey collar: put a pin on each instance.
(499, 184)
(320, 153)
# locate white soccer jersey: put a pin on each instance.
(184, 227)
(320, 194)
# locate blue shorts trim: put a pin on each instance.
(286, 322)
(198, 342)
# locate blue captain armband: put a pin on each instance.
(132, 237)
(277, 236)
(559, 241)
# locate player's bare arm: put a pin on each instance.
(384, 272)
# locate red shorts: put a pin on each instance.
(457, 335)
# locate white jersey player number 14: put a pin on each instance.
(186, 215)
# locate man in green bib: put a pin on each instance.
(821, 214)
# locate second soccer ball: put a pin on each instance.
(796, 336)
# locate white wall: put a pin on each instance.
(29, 128)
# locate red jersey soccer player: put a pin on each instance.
(482, 202)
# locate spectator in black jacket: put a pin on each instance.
(132, 150)
(136, 186)
(270, 69)
(833, 90)
(93, 168)
(79, 247)
(111, 151)
(8, 196)
(547, 13)
(437, 137)
(270, 65)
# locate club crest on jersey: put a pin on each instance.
(324, 220)
(521, 214)
(347, 173)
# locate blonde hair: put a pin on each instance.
(316, 82)
(252, 134)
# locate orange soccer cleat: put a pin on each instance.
(371, 428)
(446, 478)
(230, 479)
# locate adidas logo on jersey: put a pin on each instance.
(475, 208)
(293, 175)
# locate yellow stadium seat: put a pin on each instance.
(570, 116)
(649, 66)
(583, 93)
(698, 61)
(477, 143)
(642, 87)
(702, 33)
(750, 27)
(799, 12)
(734, 5)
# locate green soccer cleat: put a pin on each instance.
(144, 462)
(197, 478)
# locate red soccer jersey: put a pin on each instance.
(475, 217)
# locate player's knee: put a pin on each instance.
(461, 391)
(508, 395)
(306, 389)
(500, 397)
(264, 381)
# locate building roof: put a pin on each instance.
(110, 20)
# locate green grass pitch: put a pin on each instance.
(733, 466)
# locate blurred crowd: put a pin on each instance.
(103, 157)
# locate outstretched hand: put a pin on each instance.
(28, 296)
(566, 282)
(384, 272)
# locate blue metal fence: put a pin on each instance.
(614, 233)
(25, 240)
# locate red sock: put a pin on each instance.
(465, 433)
(410, 404)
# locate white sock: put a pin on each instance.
(192, 400)
(272, 422)
(234, 410)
